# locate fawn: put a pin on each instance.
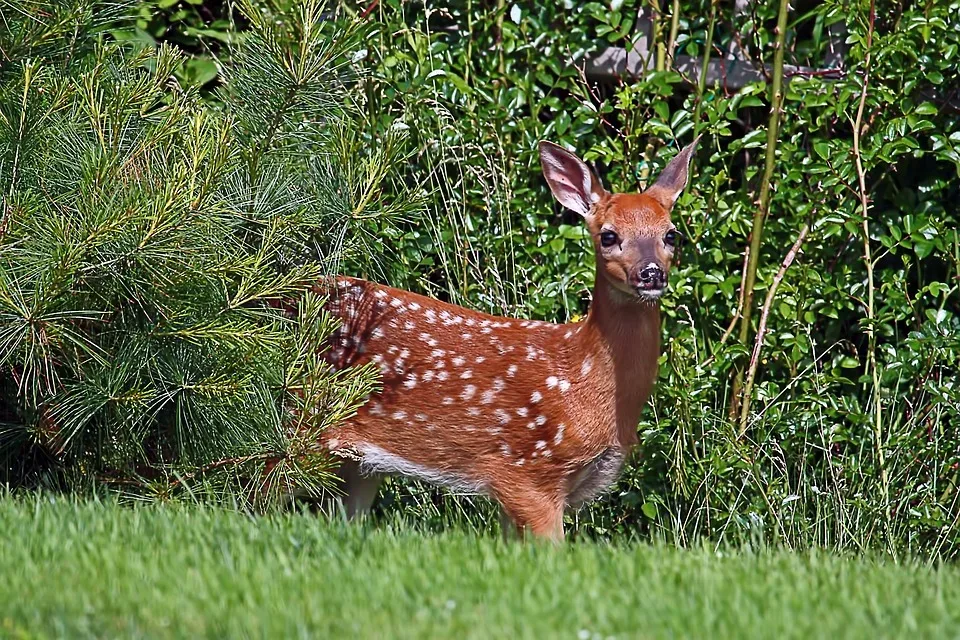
(538, 416)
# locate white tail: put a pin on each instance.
(538, 416)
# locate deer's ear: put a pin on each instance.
(571, 181)
(672, 181)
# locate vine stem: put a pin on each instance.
(871, 286)
(763, 208)
(705, 65)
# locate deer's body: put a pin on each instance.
(538, 416)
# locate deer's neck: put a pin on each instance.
(624, 333)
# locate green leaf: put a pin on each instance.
(649, 509)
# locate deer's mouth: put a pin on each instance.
(650, 293)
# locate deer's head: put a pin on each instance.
(632, 233)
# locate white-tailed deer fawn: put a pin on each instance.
(538, 416)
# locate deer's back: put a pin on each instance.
(467, 397)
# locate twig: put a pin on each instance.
(369, 9)
(762, 329)
(871, 288)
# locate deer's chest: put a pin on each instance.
(596, 477)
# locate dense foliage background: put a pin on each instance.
(848, 437)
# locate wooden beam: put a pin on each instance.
(615, 63)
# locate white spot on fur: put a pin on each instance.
(376, 409)
(405, 354)
(409, 326)
(512, 370)
(522, 412)
(541, 444)
(411, 381)
(536, 397)
(468, 392)
(396, 303)
(479, 359)
(428, 376)
(564, 386)
(421, 417)
(487, 397)
(474, 411)
(448, 400)
(502, 416)
(414, 306)
(458, 361)
(466, 375)
(443, 375)
(557, 439)
(552, 382)
(531, 425)
(437, 353)
(541, 420)
(505, 449)
(431, 316)
(498, 385)
(531, 352)
(586, 366)
(486, 330)
(471, 322)
(567, 335)
(381, 294)
(378, 333)
(399, 415)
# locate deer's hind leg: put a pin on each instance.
(359, 488)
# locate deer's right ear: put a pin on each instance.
(571, 181)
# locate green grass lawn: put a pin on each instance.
(90, 569)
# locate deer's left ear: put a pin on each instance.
(571, 181)
(672, 181)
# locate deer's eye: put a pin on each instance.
(608, 238)
(673, 238)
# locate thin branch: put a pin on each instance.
(762, 329)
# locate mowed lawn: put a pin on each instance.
(83, 569)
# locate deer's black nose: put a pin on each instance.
(651, 277)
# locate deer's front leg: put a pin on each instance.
(533, 510)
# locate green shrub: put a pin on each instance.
(151, 242)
